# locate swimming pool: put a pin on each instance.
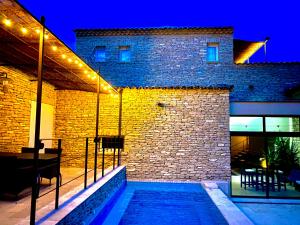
(148, 203)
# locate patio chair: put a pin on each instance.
(51, 171)
(248, 177)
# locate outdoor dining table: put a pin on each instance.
(29, 156)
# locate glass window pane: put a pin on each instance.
(212, 52)
(100, 54)
(125, 55)
(246, 124)
(282, 124)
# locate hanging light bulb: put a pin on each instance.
(54, 48)
(80, 65)
(70, 60)
(63, 56)
(76, 61)
(85, 71)
(24, 30)
(46, 36)
(7, 22)
(37, 31)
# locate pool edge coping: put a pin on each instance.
(232, 214)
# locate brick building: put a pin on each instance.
(204, 96)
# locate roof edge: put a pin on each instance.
(152, 31)
(215, 87)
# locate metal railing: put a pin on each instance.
(106, 145)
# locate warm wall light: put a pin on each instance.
(24, 30)
(7, 22)
(63, 56)
(76, 61)
(70, 60)
(80, 65)
(37, 31)
(46, 36)
(85, 71)
(89, 75)
(54, 48)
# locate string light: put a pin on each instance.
(54, 48)
(24, 30)
(93, 75)
(7, 22)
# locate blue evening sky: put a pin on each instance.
(252, 19)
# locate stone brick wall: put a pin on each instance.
(15, 107)
(180, 60)
(185, 137)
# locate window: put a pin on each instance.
(212, 52)
(282, 124)
(246, 124)
(100, 54)
(125, 55)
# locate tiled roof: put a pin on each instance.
(153, 31)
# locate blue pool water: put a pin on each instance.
(143, 203)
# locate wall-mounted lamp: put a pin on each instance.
(161, 105)
(4, 80)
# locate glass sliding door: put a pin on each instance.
(265, 156)
(247, 166)
(284, 166)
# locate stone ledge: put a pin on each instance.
(73, 210)
(229, 210)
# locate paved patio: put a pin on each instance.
(271, 214)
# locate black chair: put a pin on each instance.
(248, 177)
(51, 171)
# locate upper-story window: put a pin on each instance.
(100, 54)
(124, 54)
(212, 52)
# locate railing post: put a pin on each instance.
(114, 158)
(58, 177)
(119, 161)
(97, 127)
(37, 142)
(86, 161)
(103, 153)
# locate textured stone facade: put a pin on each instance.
(180, 60)
(15, 107)
(170, 134)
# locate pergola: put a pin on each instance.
(20, 39)
(29, 46)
